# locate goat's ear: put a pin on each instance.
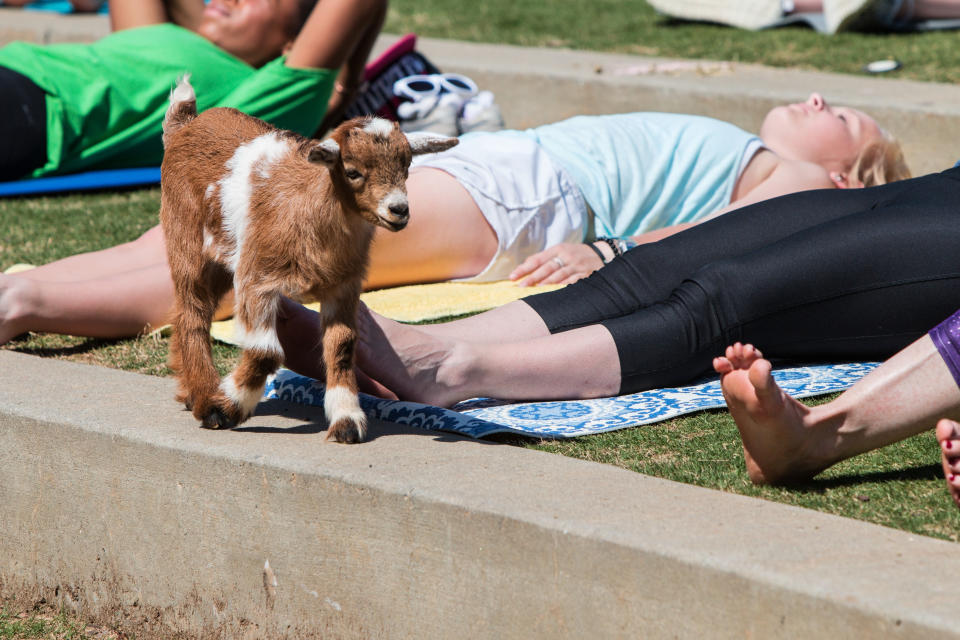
(423, 142)
(326, 153)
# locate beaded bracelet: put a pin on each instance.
(597, 251)
(614, 246)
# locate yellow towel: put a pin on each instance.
(17, 268)
(422, 302)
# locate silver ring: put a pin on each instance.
(560, 263)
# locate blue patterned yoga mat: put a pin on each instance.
(570, 418)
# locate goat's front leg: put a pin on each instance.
(341, 404)
(256, 331)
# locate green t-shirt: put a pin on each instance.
(106, 100)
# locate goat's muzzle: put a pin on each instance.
(394, 211)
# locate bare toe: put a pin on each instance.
(741, 356)
(722, 364)
(768, 393)
(948, 435)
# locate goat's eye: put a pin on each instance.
(353, 174)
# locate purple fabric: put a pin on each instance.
(946, 337)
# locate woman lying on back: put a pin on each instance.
(86, 106)
(522, 204)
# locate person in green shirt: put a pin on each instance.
(77, 107)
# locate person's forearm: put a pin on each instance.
(339, 34)
(660, 234)
(186, 13)
(128, 14)
(86, 5)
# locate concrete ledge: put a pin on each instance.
(115, 503)
(535, 86)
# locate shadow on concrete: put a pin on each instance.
(88, 345)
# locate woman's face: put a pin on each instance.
(256, 31)
(814, 131)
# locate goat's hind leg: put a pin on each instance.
(341, 404)
(256, 331)
(190, 353)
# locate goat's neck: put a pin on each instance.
(337, 218)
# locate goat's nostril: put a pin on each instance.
(401, 210)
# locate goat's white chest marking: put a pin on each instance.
(236, 187)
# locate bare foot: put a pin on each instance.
(948, 435)
(413, 364)
(777, 442)
(14, 298)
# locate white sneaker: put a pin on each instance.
(437, 114)
(743, 14)
(480, 113)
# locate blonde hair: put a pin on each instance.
(880, 162)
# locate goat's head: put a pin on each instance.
(369, 158)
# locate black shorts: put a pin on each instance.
(23, 125)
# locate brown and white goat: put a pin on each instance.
(273, 214)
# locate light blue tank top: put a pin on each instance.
(643, 171)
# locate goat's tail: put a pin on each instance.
(182, 109)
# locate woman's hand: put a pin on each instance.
(563, 263)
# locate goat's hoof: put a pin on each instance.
(185, 399)
(347, 431)
(216, 419)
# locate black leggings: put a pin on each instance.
(23, 125)
(818, 275)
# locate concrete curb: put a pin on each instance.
(534, 86)
(115, 503)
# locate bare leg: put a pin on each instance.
(513, 322)
(922, 9)
(105, 307)
(146, 251)
(808, 6)
(112, 293)
(935, 9)
(785, 440)
(447, 236)
(582, 363)
(420, 366)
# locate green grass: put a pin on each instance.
(48, 627)
(899, 486)
(633, 27)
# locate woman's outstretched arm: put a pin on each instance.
(339, 34)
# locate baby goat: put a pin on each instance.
(273, 214)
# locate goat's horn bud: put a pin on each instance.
(325, 153)
(424, 142)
